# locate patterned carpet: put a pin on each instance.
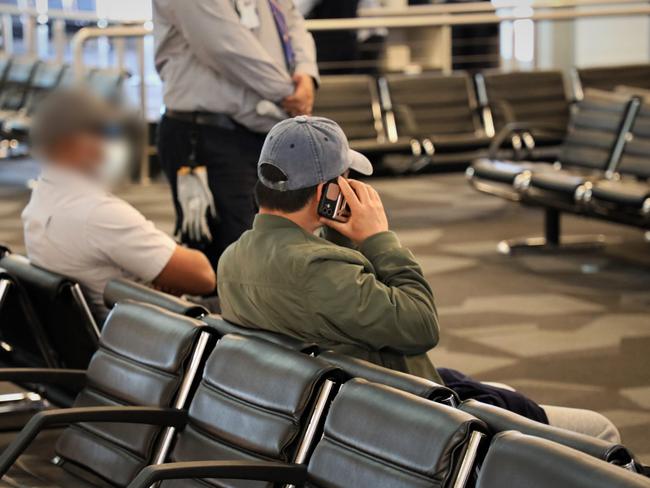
(566, 329)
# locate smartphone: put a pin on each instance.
(332, 204)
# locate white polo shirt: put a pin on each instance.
(76, 228)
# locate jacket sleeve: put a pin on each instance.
(219, 40)
(392, 308)
(302, 42)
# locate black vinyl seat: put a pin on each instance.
(47, 77)
(40, 313)
(16, 85)
(358, 368)
(594, 131)
(609, 77)
(499, 420)
(592, 149)
(374, 436)
(531, 109)
(630, 191)
(223, 327)
(441, 111)
(353, 101)
(120, 290)
(255, 402)
(517, 460)
(136, 386)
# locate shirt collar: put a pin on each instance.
(56, 174)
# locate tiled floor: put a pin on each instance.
(567, 329)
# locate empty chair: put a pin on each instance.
(16, 85)
(255, 402)
(353, 102)
(136, 385)
(42, 310)
(107, 83)
(609, 77)
(374, 436)
(594, 131)
(592, 149)
(223, 327)
(517, 460)
(531, 109)
(120, 290)
(47, 77)
(500, 420)
(440, 110)
(629, 195)
(358, 368)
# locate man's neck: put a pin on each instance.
(301, 219)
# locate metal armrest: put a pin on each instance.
(167, 417)
(516, 129)
(273, 472)
(74, 378)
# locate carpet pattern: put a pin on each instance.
(566, 329)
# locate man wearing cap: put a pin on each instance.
(231, 69)
(369, 300)
(75, 226)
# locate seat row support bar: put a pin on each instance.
(552, 240)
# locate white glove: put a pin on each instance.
(195, 200)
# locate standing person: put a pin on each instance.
(231, 69)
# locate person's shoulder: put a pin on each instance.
(108, 208)
(316, 252)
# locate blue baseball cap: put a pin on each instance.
(308, 151)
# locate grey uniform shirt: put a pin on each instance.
(209, 61)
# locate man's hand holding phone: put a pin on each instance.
(367, 214)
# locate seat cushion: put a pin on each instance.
(457, 142)
(558, 181)
(505, 171)
(625, 193)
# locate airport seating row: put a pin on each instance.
(127, 299)
(163, 402)
(25, 81)
(453, 119)
(602, 171)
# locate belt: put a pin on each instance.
(211, 119)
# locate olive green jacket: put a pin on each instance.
(373, 303)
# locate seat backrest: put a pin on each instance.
(107, 83)
(17, 82)
(144, 359)
(358, 368)
(596, 130)
(5, 62)
(609, 77)
(58, 305)
(352, 101)
(119, 290)
(223, 327)
(636, 155)
(433, 104)
(46, 78)
(254, 403)
(515, 459)
(534, 97)
(501, 420)
(378, 436)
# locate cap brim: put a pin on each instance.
(360, 163)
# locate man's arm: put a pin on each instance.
(187, 271)
(219, 40)
(306, 76)
(390, 306)
(392, 309)
(122, 235)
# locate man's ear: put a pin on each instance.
(319, 191)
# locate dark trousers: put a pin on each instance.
(230, 156)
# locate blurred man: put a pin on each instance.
(368, 299)
(231, 69)
(74, 226)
